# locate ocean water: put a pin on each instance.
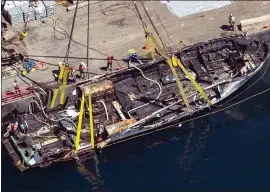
(227, 151)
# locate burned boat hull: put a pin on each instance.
(140, 99)
(230, 87)
(177, 122)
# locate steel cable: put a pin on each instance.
(71, 33)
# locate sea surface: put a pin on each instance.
(225, 151)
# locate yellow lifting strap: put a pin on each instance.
(151, 36)
(78, 136)
(160, 50)
(63, 74)
(178, 83)
(195, 84)
(55, 92)
(170, 63)
(63, 89)
(150, 48)
(62, 68)
(91, 121)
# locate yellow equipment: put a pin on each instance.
(63, 90)
(78, 136)
(63, 74)
(55, 92)
(149, 37)
(62, 68)
(178, 83)
(174, 62)
(22, 35)
(195, 84)
(91, 121)
(171, 63)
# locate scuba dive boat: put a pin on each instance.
(144, 97)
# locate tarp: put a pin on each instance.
(184, 8)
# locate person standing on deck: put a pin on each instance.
(15, 84)
(109, 63)
(82, 69)
(232, 21)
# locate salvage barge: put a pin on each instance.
(129, 102)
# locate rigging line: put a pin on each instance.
(71, 33)
(88, 27)
(27, 16)
(54, 56)
(139, 15)
(266, 68)
(164, 45)
(164, 28)
(66, 35)
(57, 66)
(174, 125)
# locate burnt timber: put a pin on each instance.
(126, 103)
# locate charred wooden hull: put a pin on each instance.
(137, 100)
(177, 122)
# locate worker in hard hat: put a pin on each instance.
(82, 69)
(232, 21)
(133, 55)
(109, 63)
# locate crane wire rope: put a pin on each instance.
(164, 28)
(25, 25)
(152, 23)
(56, 24)
(88, 28)
(71, 33)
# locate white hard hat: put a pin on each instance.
(231, 15)
(82, 63)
